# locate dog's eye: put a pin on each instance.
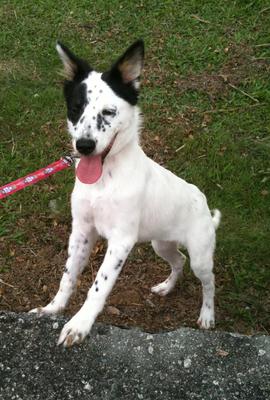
(107, 111)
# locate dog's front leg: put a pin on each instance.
(80, 325)
(81, 243)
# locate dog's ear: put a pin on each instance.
(74, 67)
(124, 75)
(130, 64)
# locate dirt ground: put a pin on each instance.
(34, 272)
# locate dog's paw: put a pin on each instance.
(74, 332)
(39, 311)
(163, 288)
(206, 319)
(48, 310)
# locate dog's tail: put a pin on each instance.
(216, 217)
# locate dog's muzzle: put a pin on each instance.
(85, 146)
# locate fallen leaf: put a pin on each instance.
(113, 310)
(222, 353)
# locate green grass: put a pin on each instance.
(225, 132)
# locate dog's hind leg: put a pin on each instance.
(81, 243)
(169, 252)
(201, 263)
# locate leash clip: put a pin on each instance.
(68, 159)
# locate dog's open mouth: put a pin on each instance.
(89, 169)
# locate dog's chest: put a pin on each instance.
(100, 205)
(104, 215)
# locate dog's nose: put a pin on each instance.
(85, 146)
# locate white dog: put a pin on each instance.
(122, 195)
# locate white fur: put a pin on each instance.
(135, 200)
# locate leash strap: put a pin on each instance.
(36, 176)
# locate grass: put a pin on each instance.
(206, 91)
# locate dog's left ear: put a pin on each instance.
(130, 64)
(124, 75)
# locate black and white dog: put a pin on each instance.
(122, 195)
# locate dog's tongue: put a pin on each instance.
(89, 169)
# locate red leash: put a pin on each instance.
(36, 176)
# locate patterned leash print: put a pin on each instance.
(36, 176)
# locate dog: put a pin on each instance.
(122, 195)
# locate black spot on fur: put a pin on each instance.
(96, 282)
(85, 241)
(99, 121)
(104, 276)
(82, 119)
(119, 264)
(106, 122)
(66, 270)
(96, 289)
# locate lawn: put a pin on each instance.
(205, 98)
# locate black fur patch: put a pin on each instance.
(74, 90)
(75, 94)
(114, 79)
(99, 121)
(126, 91)
(102, 121)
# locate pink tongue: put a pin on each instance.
(89, 169)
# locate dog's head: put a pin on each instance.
(101, 105)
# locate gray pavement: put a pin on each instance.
(116, 363)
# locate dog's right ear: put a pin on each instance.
(74, 67)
